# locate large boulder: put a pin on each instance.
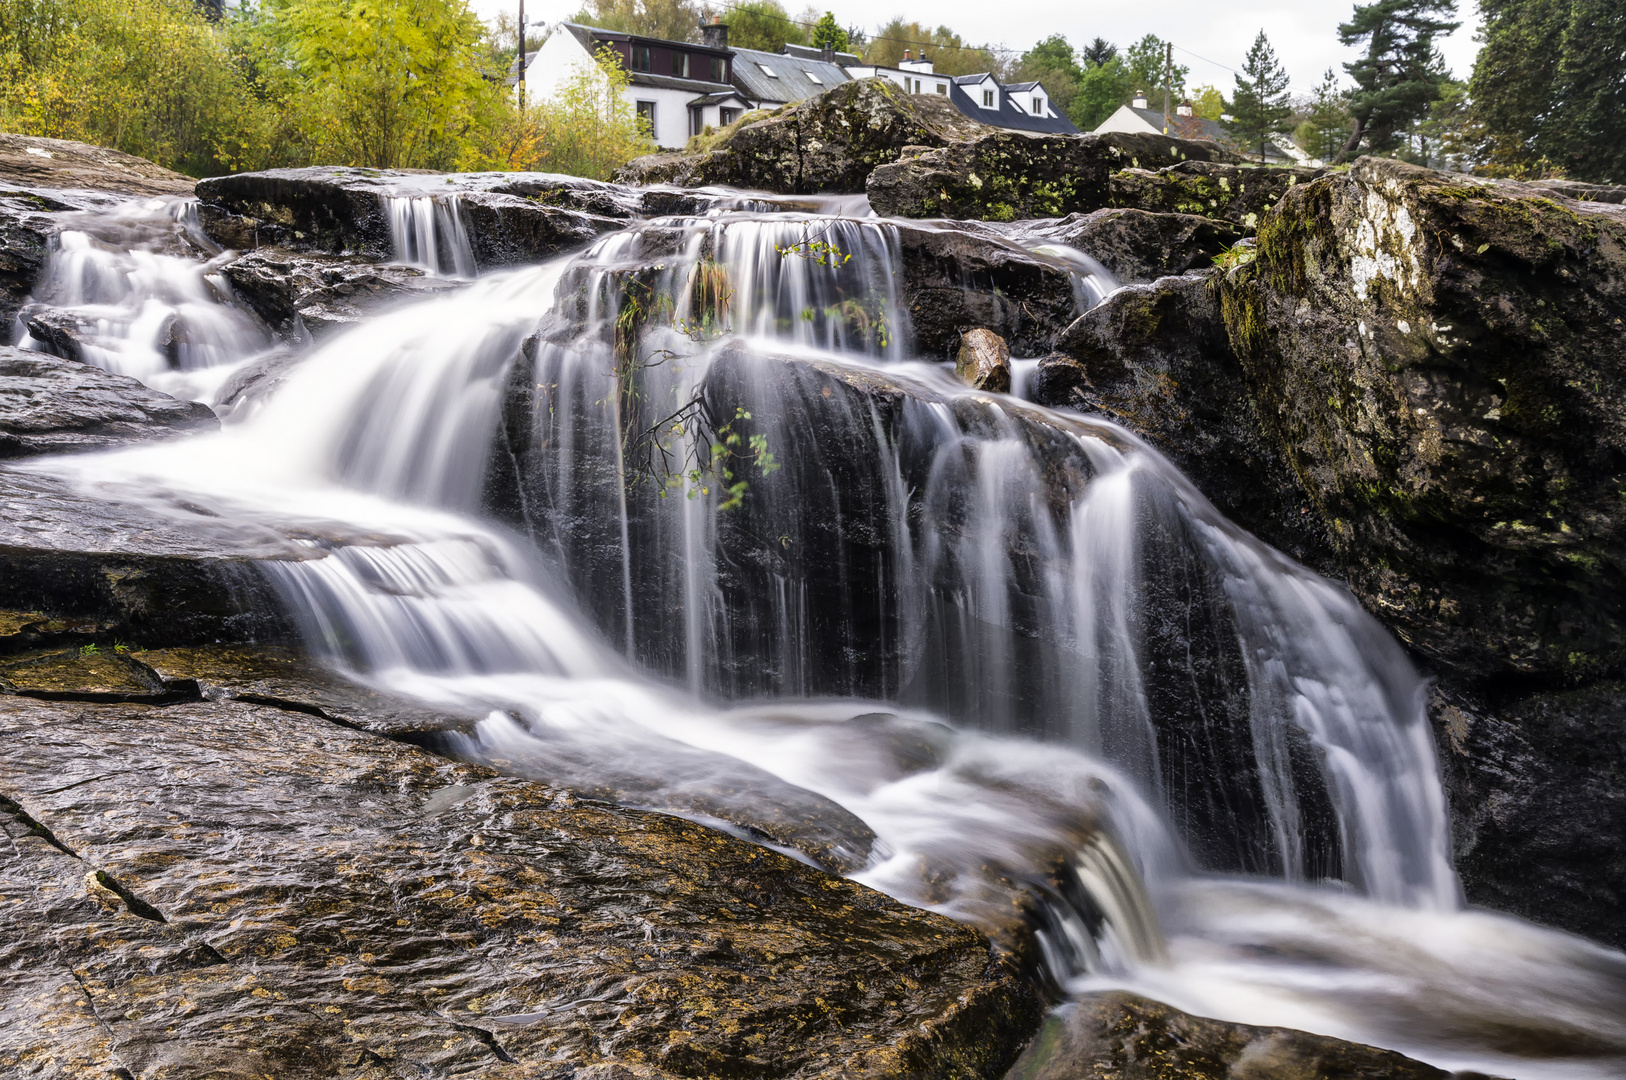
(49, 405)
(1239, 194)
(31, 161)
(1010, 175)
(382, 909)
(293, 290)
(829, 143)
(1155, 359)
(1135, 245)
(1441, 363)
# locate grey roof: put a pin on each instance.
(590, 36)
(1008, 115)
(792, 83)
(1020, 87)
(808, 52)
(1195, 127)
(719, 98)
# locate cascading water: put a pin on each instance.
(978, 646)
(428, 231)
(137, 287)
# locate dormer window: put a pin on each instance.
(680, 65)
(768, 71)
(640, 58)
(988, 99)
(1038, 106)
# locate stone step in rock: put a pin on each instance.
(239, 890)
(50, 405)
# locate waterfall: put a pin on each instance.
(138, 289)
(1003, 648)
(428, 231)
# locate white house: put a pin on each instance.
(1020, 106)
(915, 76)
(1137, 116)
(681, 88)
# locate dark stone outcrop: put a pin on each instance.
(379, 910)
(956, 279)
(1137, 245)
(829, 143)
(31, 161)
(318, 292)
(26, 228)
(49, 405)
(1010, 175)
(1155, 358)
(1239, 194)
(1121, 1036)
(509, 217)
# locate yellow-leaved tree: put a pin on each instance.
(587, 126)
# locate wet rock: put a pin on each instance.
(1239, 194)
(378, 910)
(1442, 363)
(342, 210)
(1137, 246)
(1011, 175)
(144, 577)
(50, 405)
(1536, 778)
(1119, 1036)
(26, 228)
(83, 674)
(957, 279)
(828, 143)
(1156, 359)
(292, 290)
(984, 361)
(61, 163)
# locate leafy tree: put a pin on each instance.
(1101, 90)
(947, 50)
(1260, 104)
(1145, 60)
(1208, 103)
(1051, 62)
(763, 24)
(828, 34)
(1399, 76)
(1098, 52)
(1587, 134)
(1515, 79)
(587, 127)
(674, 20)
(1326, 129)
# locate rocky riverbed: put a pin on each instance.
(228, 857)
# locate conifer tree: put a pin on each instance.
(828, 34)
(1399, 76)
(1260, 104)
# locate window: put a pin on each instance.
(727, 116)
(719, 72)
(812, 78)
(640, 58)
(646, 112)
(917, 86)
(768, 71)
(942, 88)
(1038, 106)
(988, 99)
(680, 65)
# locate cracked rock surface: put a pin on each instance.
(49, 405)
(234, 890)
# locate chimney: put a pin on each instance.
(1184, 109)
(907, 56)
(1140, 99)
(829, 54)
(714, 34)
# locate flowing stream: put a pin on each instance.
(685, 520)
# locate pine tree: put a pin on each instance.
(1098, 52)
(828, 34)
(1515, 76)
(1260, 105)
(1399, 76)
(1326, 130)
(1586, 128)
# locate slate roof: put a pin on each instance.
(1008, 115)
(808, 52)
(591, 36)
(792, 83)
(1195, 127)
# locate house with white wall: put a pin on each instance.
(1183, 123)
(1020, 106)
(680, 87)
(914, 76)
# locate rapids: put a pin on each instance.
(684, 511)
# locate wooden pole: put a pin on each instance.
(1168, 78)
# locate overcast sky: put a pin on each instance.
(1303, 32)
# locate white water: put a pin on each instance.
(428, 231)
(378, 443)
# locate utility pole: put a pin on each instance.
(1168, 78)
(522, 60)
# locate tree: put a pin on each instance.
(1399, 76)
(587, 127)
(674, 20)
(1101, 90)
(1208, 103)
(949, 54)
(828, 34)
(1588, 136)
(1260, 104)
(764, 25)
(1515, 79)
(1099, 52)
(1145, 60)
(1051, 62)
(1326, 129)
